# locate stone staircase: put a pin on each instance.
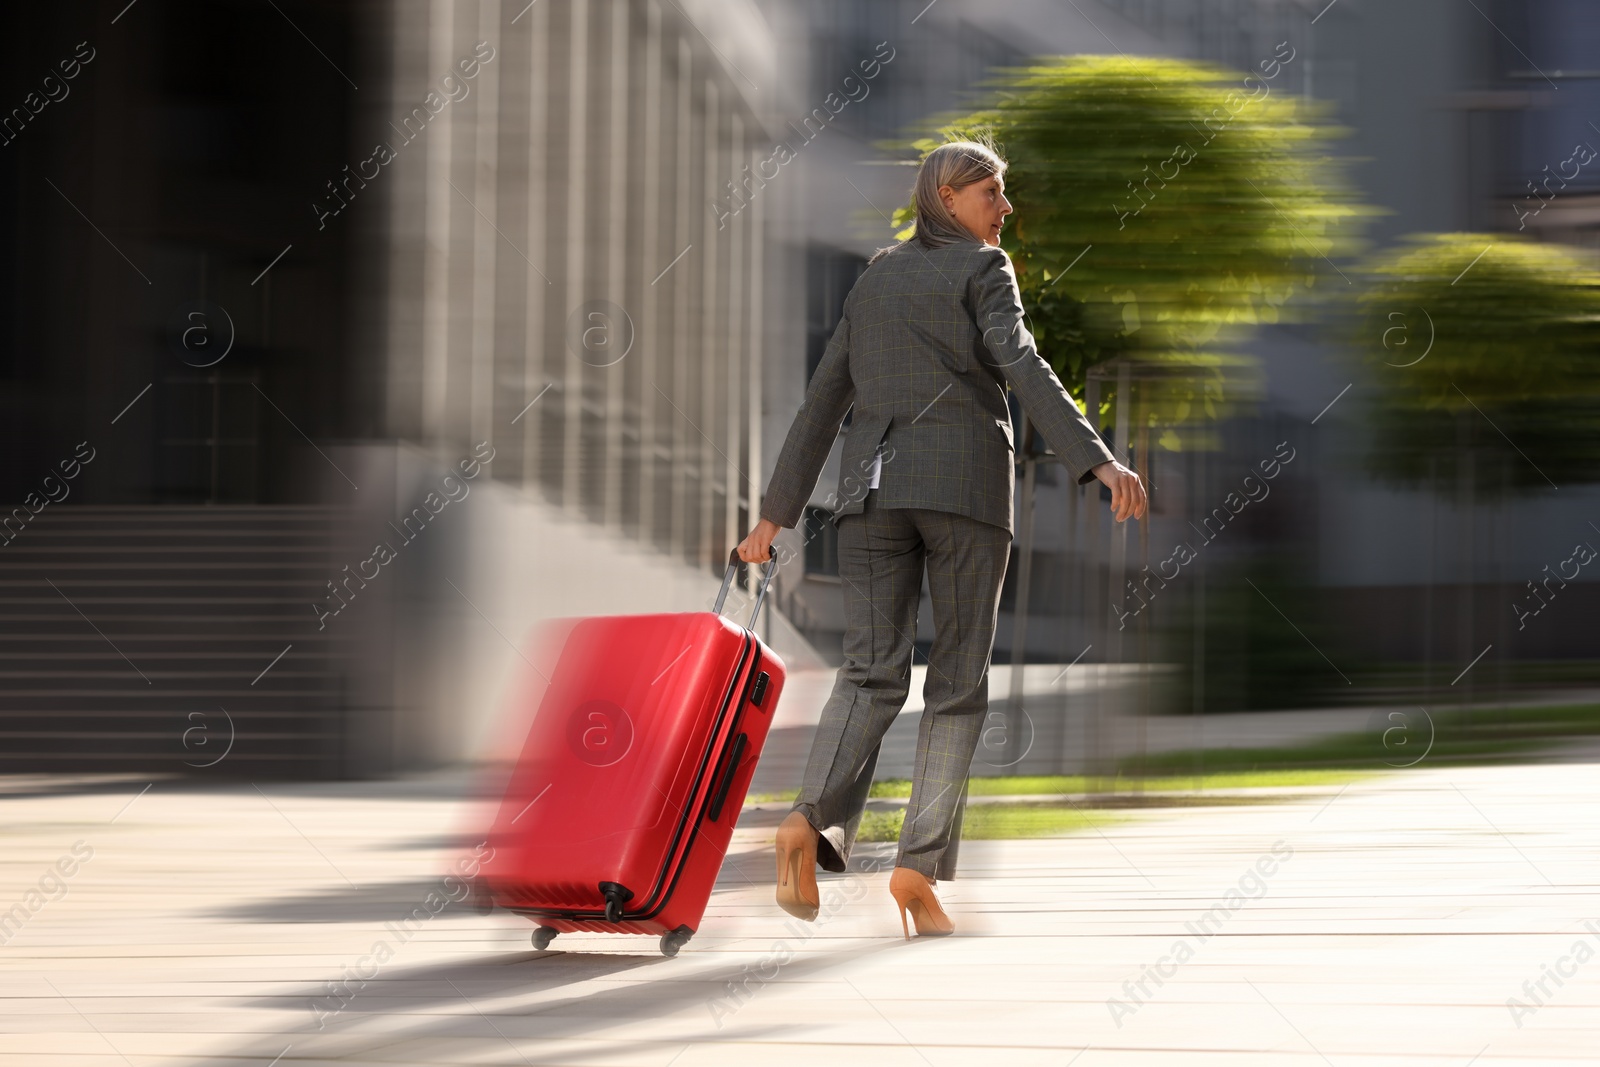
(171, 640)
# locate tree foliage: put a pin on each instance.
(1478, 338)
(1162, 207)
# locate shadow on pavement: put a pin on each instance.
(381, 902)
(406, 1007)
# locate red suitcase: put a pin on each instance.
(618, 813)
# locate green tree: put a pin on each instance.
(1475, 341)
(1483, 356)
(1162, 207)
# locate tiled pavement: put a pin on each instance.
(1394, 923)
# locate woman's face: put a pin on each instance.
(981, 207)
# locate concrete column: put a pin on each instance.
(712, 367)
(754, 234)
(572, 286)
(615, 178)
(539, 286)
(678, 294)
(436, 142)
(738, 358)
(403, 349)
(486, 248)
(651, 344)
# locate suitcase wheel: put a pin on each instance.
(543, 936)
(616, 896)
(673, 940)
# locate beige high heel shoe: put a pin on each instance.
(797, 868)
(913, 891)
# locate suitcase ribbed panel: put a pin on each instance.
(632, 736)
(609, 768)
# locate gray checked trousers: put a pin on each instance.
(882, 554)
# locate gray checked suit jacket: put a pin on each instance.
(929, 341)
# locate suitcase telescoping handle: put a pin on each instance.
(761, 592)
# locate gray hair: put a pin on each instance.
(957, 164)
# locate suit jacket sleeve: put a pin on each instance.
(997, 307)
(811, 436)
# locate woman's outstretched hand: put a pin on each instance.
(1128, 498)
(757, 548)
